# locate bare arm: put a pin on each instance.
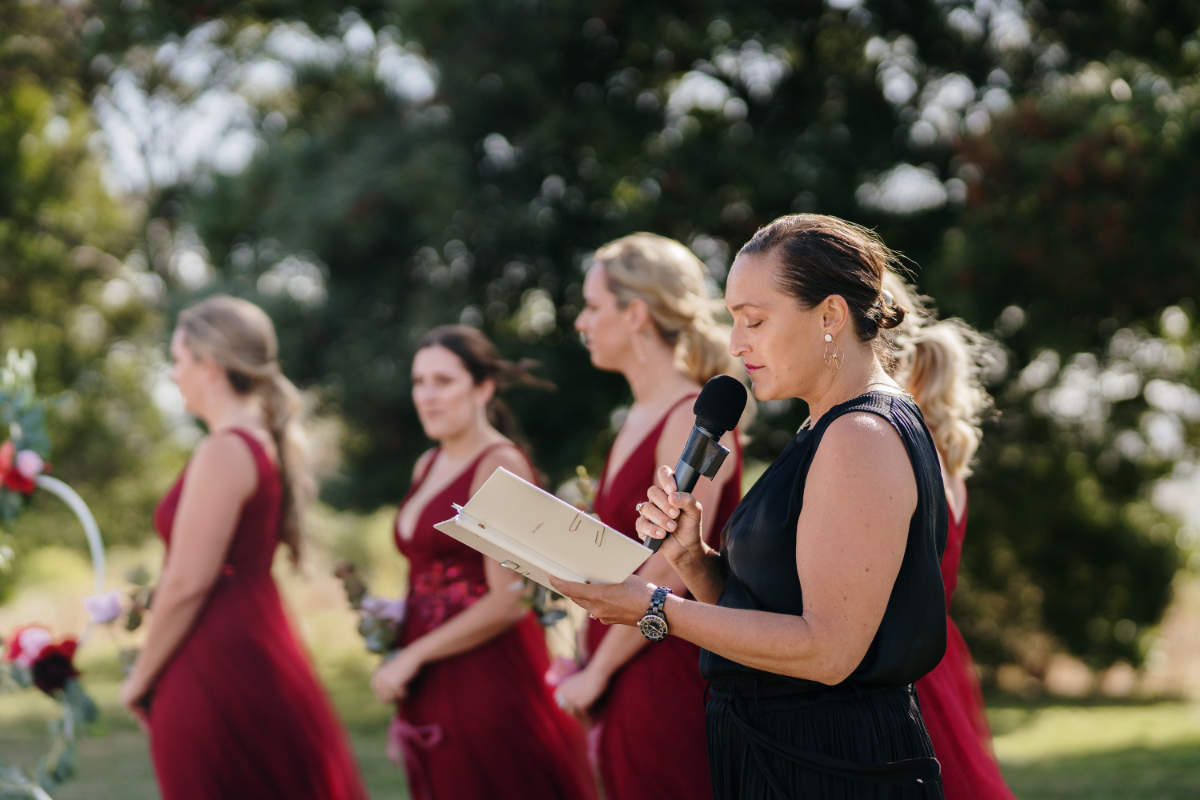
(848, 554)
(492, 614)
(221, 475)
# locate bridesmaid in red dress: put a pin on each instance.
(938, 362)
(475, 719)
(648, 315)
(222, 684)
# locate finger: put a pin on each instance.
(658, 515)
(658, 498)
(576, 591)
(645, 527)
(665, 478)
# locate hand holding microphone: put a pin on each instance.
(718, 408)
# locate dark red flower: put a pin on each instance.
(55, 666)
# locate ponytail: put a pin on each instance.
(941, 366)
(282, 409)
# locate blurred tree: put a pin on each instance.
(410, 163)
(1081, 240)
(65, 293)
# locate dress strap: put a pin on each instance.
(652, 434)
(433, 457)
(662, 423)
(257, 450)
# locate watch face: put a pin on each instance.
(653, 627)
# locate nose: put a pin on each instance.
(579, 321)
(737, 347)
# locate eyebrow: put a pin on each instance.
(743, 305)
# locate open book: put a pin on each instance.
(535, 534)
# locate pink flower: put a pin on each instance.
(29, 464)
(103, 607)
(27, 644)
(10, 476)
(384, 608)
(560, 669)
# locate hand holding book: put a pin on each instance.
(535, 534)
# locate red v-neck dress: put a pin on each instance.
(650, 742)
(237, 711)
(952, 705)
(479, 725)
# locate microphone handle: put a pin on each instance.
(685, 480)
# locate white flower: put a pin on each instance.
(103, 607)
(29, 464)
(32, 641)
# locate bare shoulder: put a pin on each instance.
(224, 458)
(862, 429)
(866, 446)
(508, 456)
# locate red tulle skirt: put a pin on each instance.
(952, 707)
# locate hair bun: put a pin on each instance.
(890, 316)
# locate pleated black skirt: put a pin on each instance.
(865, 744)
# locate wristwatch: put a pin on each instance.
(654, 624)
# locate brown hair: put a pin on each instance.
(669, 279)
(822, 256)
(482, 360)
(239, 336)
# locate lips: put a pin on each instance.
(753, 367)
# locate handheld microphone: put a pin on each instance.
(718, 408)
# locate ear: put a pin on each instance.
(486, 390)
(835, 313)
(210, 365)
(638, 314)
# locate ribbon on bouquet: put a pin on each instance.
(403, 740)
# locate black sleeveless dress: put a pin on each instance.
(773, 736)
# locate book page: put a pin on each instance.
(536, 534)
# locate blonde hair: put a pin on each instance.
(669, 279)
(940, 361)
(239, 336)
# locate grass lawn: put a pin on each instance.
(1048, 748)
(1098, 748)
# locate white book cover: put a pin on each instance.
(536, 534)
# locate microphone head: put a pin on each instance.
(720, 404)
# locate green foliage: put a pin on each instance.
(65, 293)
(1080, 241)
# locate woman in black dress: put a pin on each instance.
(825, 602)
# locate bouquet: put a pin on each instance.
(380, 618)
(33, 659)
